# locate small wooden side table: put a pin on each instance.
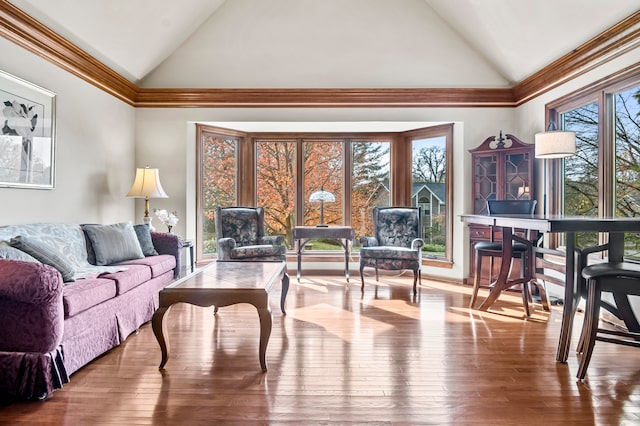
(343, 234)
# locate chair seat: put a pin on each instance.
(389, 252)
(597, 270)
(246, 252)
(491, 246)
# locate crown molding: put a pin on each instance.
(20, 28)
(334, 98)
(606, 46)
(23, 30)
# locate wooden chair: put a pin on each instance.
(622, 279)
(522, 250)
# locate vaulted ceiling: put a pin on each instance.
(382, 44)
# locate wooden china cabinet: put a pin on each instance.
(502, 170)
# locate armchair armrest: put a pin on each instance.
(225, 245)
(274, 240)
(167, 243)
(368, 241)
(417, 244)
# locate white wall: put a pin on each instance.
(94, 162)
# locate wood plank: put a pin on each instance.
(340, 356)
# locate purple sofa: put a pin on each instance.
(51, 326)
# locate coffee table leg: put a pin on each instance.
(160, 330)
(265, 333)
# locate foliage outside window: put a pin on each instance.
(323, 170)
(370, 184)
(603, 178)
(428, 189)
(276, 163)
(280, 173)
(217, 184)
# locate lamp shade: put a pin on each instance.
(147, 184)
(555, 144)
(322, 195)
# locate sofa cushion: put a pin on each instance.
(159, 264)
(12, 253)
(132, 277)
(143, 232)
(113, 243)
(83, 294)
(45, 255)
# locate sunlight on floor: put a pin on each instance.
(336, 320)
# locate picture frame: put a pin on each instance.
(27, 134)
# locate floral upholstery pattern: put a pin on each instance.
(396, 244)
(240, 232)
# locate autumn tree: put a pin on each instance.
(276, 186)
(218, 179)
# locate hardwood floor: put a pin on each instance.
(341, 357)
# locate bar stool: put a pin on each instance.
(622, 279)
(521, 250)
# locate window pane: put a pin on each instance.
(627, 143)
(219, 185)
(323, 170)
(428, 188)
(369, 184)
(581, 170)
(276, 186)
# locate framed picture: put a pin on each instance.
(27, 129)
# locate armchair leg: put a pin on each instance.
(416, 273)
(362, 277)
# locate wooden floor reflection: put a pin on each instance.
(343, 357)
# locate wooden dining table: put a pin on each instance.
(614, 227)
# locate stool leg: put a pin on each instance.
(525, 283)
(590, 327)
(476, 279)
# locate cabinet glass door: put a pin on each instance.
(486, 178)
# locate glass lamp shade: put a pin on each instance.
(322, 195)
(555, 144)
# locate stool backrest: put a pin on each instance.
(511, 206)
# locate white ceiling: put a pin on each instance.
(514, 37)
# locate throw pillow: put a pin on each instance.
(12, 253)
(45, 254)
(113, 243)
(143, 232)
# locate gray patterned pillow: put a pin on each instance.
(45, 254)
(113, 243)
(12, 253)
(144, 238)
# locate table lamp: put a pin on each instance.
(147, 185)
(553, 144)
(322, 196)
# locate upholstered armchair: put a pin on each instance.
(396, 243)
(240, 233)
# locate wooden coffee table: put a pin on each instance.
(223, 284)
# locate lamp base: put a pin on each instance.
(147, 220)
